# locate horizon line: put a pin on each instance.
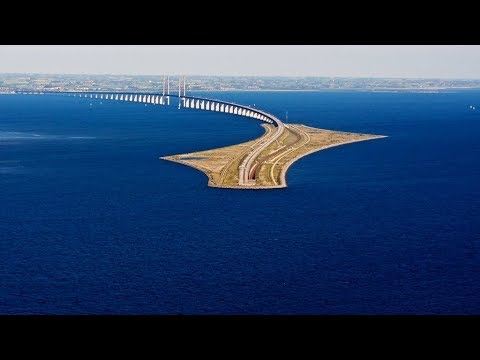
(252, 76)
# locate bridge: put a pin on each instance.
(246, 170)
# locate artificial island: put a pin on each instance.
(262, 163)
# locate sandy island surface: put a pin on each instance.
(268, 172)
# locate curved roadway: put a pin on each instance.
(244, 176)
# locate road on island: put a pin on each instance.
(277, 155)
(245, 175)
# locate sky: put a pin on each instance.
(400, 61)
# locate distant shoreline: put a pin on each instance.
(379, 90)
(12, 82)
(346, 89)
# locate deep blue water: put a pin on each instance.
(92, 222)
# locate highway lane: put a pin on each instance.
(267, 159)
(245, 171)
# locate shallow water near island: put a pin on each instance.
(93, 222)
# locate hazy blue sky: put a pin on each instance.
(445, 61)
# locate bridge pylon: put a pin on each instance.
(179, 91)
(168, 90)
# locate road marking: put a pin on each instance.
(289, 151)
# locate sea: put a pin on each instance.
(93, 222)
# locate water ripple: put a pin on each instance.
(16, 135)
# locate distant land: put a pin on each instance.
(10, 83)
